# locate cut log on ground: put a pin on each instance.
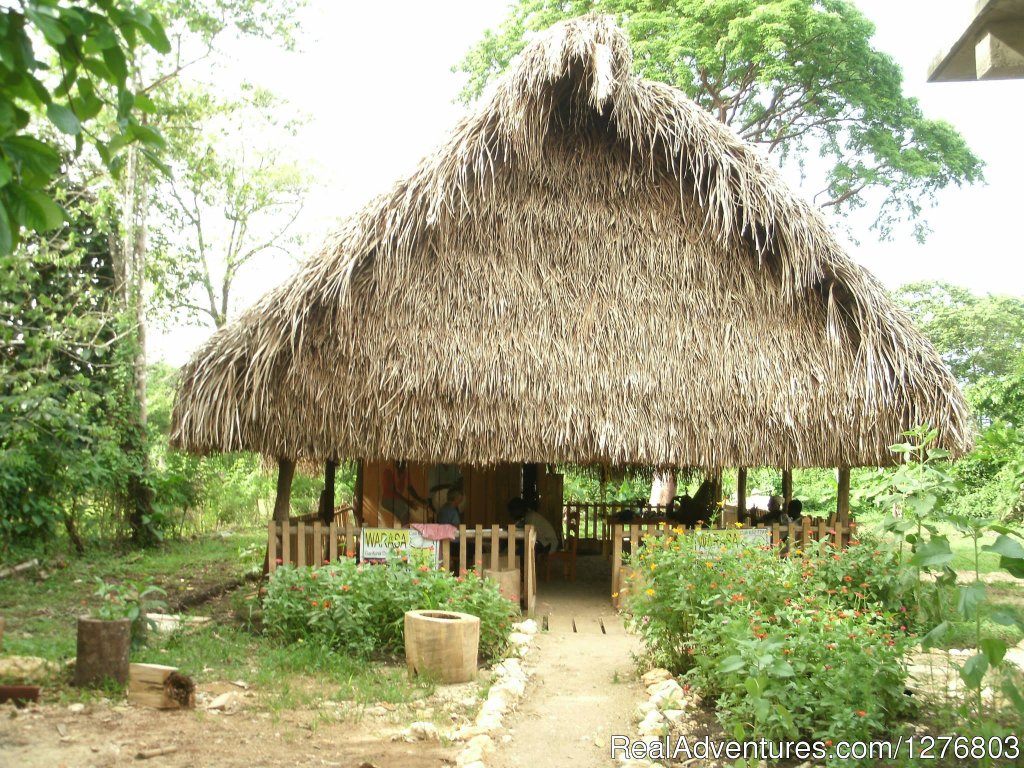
(5, 572)
(102, 651)
(148, 753)
(154, 685)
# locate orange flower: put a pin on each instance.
(345, 588)
(327, 603)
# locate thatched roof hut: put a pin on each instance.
(590, 269)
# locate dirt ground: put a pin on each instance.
(583, 690)
(583, 687)
(110, 734)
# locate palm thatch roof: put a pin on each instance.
(590, 269)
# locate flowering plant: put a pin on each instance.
(360, 609)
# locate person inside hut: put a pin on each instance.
(449, 514)
(398, 496)
(522, 514)
(440, 479)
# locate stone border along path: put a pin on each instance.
(583, 689)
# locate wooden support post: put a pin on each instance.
(843, 496)
(616, 563)
(741, 495)
(327, 498)
(357, 501)
(787, 489)
(282, 504)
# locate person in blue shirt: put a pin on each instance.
(449, 514)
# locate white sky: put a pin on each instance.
(375, 80)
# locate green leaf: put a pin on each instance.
(973, 672)
(116, 63)
(6, 233)
(1005, 546)
(781, 668)
(1010, 691)
(49, 26)
(752, 686)
(1012, 566)
(64, 119)
(1006, 617)
(970, 597)
(933, 553)
(34, 162)
(935, 635)
(994, 650)
(5, 172)
(44, 213)
(731, 664)
(154, 34)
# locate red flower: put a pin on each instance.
(345, 588)
(847, 578)
(350, 553)
(279, 561)
(327, 603)
(314, 603)
(861, 713)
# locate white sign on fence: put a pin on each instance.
(378, 544)
(712, 540)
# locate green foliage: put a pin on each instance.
(131, 601)
(981, 339)
(809, 646)
(69, 63)
(794, 76)
(920, 484)
(65, 393)
(360, 609)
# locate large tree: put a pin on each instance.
(233, 199)
(799, 78)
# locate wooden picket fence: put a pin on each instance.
(808, 533)
(303, 543)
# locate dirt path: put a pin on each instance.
(583, 687)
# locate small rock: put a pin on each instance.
(642, 709)
(528, 627)
(518, 638)
(469, 756)
(483, 743)
(222, 702)
(674, 716)
(653, 724)
(377, 711)
(76, 708)
(655, 676)
(423, 731)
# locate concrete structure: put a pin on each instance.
(990, 48)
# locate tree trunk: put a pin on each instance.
(282, 504)
(327, 498)
(129, 272)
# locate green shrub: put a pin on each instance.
(809, 646)
(360, 609)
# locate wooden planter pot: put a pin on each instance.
(103, 648)
(508, 582)
(442, 645)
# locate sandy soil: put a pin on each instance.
(584, 687)
(105, 735)
(583, 690)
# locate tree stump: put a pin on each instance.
(442, 645)
(103, 648)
